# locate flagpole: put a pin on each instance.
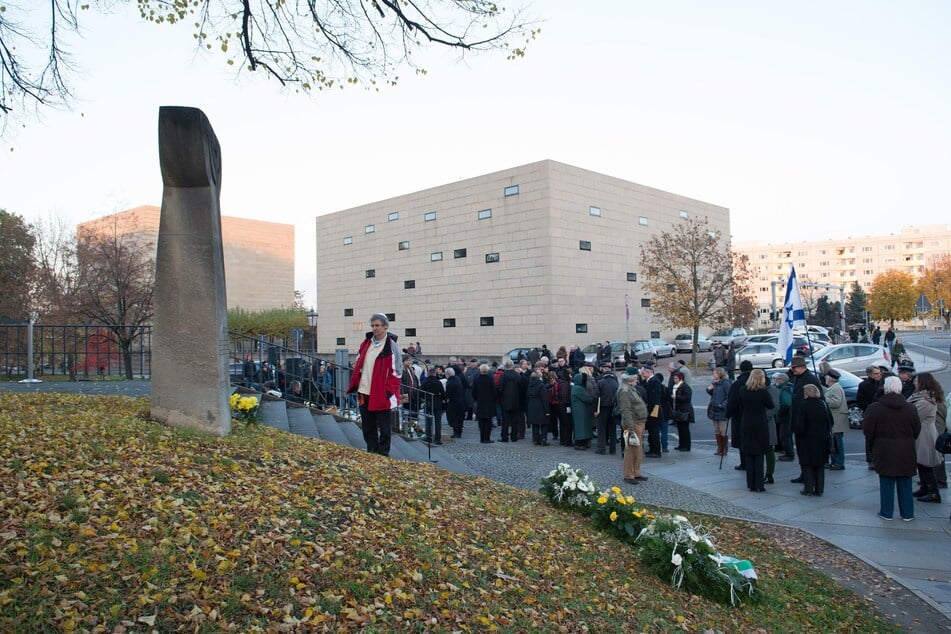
(627, 319)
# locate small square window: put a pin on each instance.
(642, 220)
(435, 257)
(348, 240)
(404, 245)
(459, 253)
(684, 214)
(511, 190)
(429, 216)
(594, 211)
(671, 288)
(581, 328)
(631, 277)
(409, 284)
(491, 257)
(393, 215)
(369, 229)
(341, 341)
(371, 272)
(391, 316)
(410, 332)
(486, 321)
(348, 312)
(645, 302)
(485, 214)
(584, 245)
(449, 322)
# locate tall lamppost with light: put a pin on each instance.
(312, 321)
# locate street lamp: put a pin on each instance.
(34, 316)
(312, 321)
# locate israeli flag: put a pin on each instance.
(794, 316)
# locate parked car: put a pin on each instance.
(767, 338)
(684, 343)
(236, 371)
(761, 355)
(799, 343)
(642, 350)
(854, 357)
(617, 353)
(514, 353)
(726, 336)
(850, 385)
(662, 348)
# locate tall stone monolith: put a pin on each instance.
(190, 339)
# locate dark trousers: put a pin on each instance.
(485, 429)
(567, 427)
(510, 424)
(813, 479)
(683, 430)
(607, 431)
(540, 434)
(755, 471)
(653, 436)
(377, 428)
(434, 417)
(555, 417)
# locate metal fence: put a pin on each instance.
(80, 350)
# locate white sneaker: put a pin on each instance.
(907, 519)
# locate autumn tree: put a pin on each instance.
(690, 276)
(935, 283)
(17, 267)
(855, 306)
(893, 296)
(54, 253)
(114, 279)
(308, 46)
(743, 311)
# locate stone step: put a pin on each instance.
(353, 433)
(274, 413)
(329, 429)
(301, 421)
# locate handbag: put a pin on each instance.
(681, 416)
(943, 442)
(632, 439)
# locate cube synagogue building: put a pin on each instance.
(544, 253)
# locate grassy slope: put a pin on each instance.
(108, 519)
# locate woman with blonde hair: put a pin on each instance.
(719, 391)
(755, 429)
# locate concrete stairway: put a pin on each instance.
(301, 420)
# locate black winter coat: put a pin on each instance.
(891, 426)
(812, 425)
(536, 409)
(484, 396)
(683, 400)
(755, 427)
(510, 391)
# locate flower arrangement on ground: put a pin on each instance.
(245, 408)
(569, 488)
(670, 546)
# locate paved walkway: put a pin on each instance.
(916, 554)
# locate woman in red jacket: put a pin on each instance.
(376, 380)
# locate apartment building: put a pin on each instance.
(258, 255)
(840, 262)
(544, 253)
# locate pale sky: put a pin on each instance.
(808, 120)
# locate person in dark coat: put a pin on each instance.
(801, 377)
(867, 393)
(565, 423)
(654, 389)
(607, 425)
(756, 402)
(812, 425)
(537, 411)
(434, 394)
(582, 407)
(734, 410)
(249, 370)
(682, 396)
(510, 398)
(455, 402)
(484, 402)
(891, 426)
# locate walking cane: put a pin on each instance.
(723, 455)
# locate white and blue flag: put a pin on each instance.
(794, 316)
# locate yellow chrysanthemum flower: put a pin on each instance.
(613, 516)
(616, 490)
(602, 500)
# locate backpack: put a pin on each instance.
(553, 398)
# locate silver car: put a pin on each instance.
(854, 357)
(662, 348)
(684, 343)
(761, 355)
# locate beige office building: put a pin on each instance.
(840, 262)
(541, 253)
(258, 256)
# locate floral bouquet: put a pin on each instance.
(673, 548)
(568, 488)
(246, 408)
(613, 512)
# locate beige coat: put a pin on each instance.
(839, 406)
(925, 453)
